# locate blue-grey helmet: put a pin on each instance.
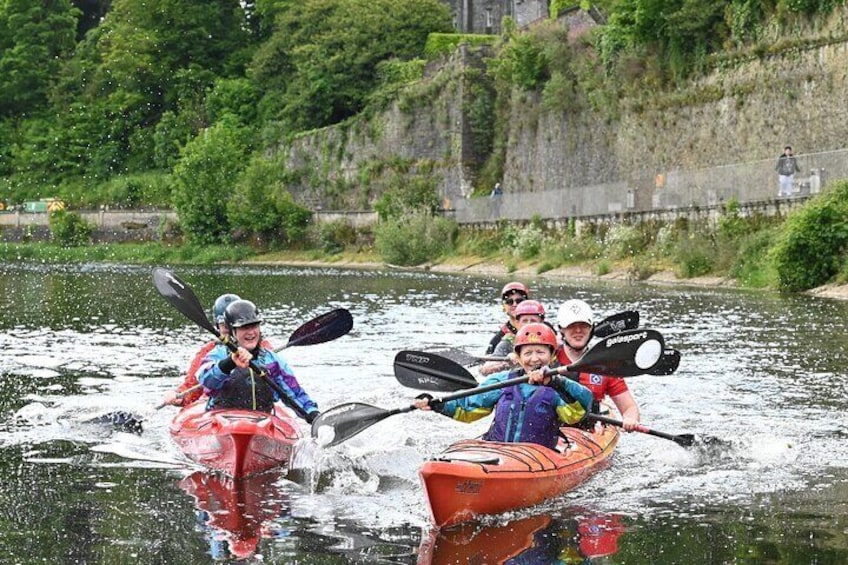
(220, 305)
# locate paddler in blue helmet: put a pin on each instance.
(528, 412)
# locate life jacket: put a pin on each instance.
(245, 390)
(530, 420)
(505, 329)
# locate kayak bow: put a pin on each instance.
(238, 443)
(476, 477)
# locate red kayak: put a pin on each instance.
(238, 443)
(476, 477)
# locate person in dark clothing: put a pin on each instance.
(786, 168)
(512, 295)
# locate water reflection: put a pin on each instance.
(761, 371)
(575, 536)
(235, 515)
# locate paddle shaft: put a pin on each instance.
(667, 364)
(232, 346)
(503, 384)
(180, 295)
(685, 440)
(180, 395)
(623, 354)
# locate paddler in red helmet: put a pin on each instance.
(528, 412)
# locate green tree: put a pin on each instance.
(262, 206)
(813, 244)
(147, 58)
(34, 38)
(204, 179)
(323, 54)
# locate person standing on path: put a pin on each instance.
(786, 168)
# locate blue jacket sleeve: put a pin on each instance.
(477, 406)
(283, 375)
(210, 374)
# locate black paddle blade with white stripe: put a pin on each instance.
(429, 371)
(182, 297)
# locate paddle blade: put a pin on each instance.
(429, 371)
(458, 356)
(627, 320)
(684, 440)
(625, 354)
(345, 421)
(181, 297)
(326, 327)
(667, 364)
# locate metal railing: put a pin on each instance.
(669, 190)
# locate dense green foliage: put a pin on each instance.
(319, 65)
(812, 248)
(152, 253)
(660, 40)
(415, 237)
(160, 102)
(185, 103)
(202, 179)
(443, 44)
(34, 38)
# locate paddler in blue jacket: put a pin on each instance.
(528, 412)
(230, 381)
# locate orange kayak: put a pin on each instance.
(476, 477)
(238, 443)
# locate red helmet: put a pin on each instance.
(535, 333)
(515, 287)
(532, 307)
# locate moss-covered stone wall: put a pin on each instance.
(745, 111)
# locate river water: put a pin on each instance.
(762, 373)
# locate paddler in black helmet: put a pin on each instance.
(230, 380)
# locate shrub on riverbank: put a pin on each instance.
(812, 247)
(414, 238)
(69, 228)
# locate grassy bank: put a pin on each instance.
(152, 253)
(805, 250)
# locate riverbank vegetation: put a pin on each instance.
(807, 249)
(186, 104)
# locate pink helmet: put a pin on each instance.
(532, 307)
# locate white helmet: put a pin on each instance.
(573, 311)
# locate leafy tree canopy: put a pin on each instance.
(323, 53)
